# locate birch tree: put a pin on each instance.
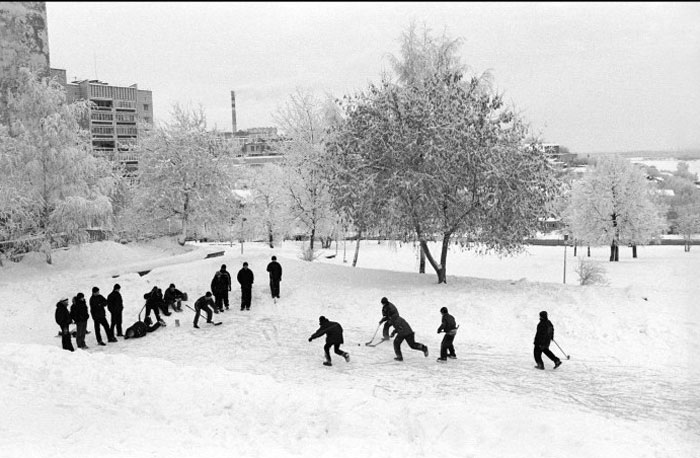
(184, 175)
(53, 188)
(303, 119)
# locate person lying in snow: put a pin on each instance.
(334, 338)
(140, 328)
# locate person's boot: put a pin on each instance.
(196, 326)
(398, 358)
(327, 362)
(425, 351)
(540, 367)
(441, 360)
(347, 357)
(557, 363)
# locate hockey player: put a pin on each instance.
(449, 327)
(334, 338)
(543, 336)
(403, 331)
(173, 298)
(203, 303)
(275, 270)
(220, 286)
(388, 312)
(246, 278)
(80, 315)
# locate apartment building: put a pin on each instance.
(117, 114)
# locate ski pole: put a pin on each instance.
(567, 356)
(375, 334)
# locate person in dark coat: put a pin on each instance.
(115, 305)
(334, 338)
(403, 331)
(203, 303)
(63, 320)
(275, 270)
(220, 286)
(97, 310)
(141, 328)
(173, 298)
(543, 336)
(388, 312)
(449, 327)
(154, 302)
(79, 314)
(245, 278)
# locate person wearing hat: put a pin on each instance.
(63, 320)
(403, 331)
(389, 310)
(173, 298)
(220, 286)
(99, 318)
(115, 305)
(80, 315)
(203, 303)
(154, 302)
(334, 338)
(449, 327)
(543, 336)
(245, 277)
(275, 270)
(141, 328)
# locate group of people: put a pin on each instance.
(80, 315)
(402, 331)
(157, 302)
(216, 301)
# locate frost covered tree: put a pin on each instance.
(614, 204)
(53, 188)
(304, 121)
(450, 158)
(270, 203)
(185, 175)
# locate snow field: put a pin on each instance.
(255, 387)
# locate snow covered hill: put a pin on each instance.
(254, 387)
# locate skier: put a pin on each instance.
(543, 336)
(97, 310)
(334, 338)
(79, 314)
(449, 327)
(115, 305)
(173, 298)
(203, 303)
(245, 278)
(388, 312)
(140, 328)
(154, 302)
(403, 331)
(63, 320)
(220, 286)
(275, 270)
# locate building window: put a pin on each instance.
(145, 106)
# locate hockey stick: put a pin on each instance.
(567, 356)
(375, 335)
(215, 323)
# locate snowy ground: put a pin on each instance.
(254, 387)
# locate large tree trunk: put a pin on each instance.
(588, 251)
(575, 246)
(439, 268)
(634, 251)
(270, 235)
(357, 248)
(311, 238)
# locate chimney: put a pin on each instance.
(233, 111)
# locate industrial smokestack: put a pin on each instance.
(233, 111)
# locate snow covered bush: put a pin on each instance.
(308, 254)
(590, 273)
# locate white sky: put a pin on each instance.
(590, 76)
